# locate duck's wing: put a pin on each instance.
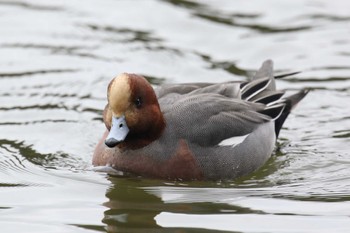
(179, 88)
(239, 107)
(210, 119)
(171, 93)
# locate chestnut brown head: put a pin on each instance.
(132, 115)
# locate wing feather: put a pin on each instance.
(207, 119)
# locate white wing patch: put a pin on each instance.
(234, 141)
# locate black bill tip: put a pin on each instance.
(111, 142)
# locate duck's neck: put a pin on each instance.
(136, 140)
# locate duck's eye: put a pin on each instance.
(138, 102)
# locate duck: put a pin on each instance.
(193, 131)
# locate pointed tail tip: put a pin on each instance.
(290, 103)
(267, 62)
(303, 92)
(265, 70)
(297, 97)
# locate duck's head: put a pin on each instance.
(132, 115)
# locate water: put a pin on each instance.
(57, 57)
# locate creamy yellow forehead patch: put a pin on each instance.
(119, 95)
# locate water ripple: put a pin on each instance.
(132, 35)
(335, 18)
(30, 6)
(36, 72)
(255, 27)
(21, 154)
(204, 12)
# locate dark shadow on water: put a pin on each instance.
(48, 161)
(229, 67)
(232, 68)
(79, 51)
(25, 74)
(141, 39)
(229, 20)
(334, 18)
(204, 12)
(130, 35)
(341, 134)
(154, 80)
(185, 4)
(7, 185)
(31, 6)
(53, 48)
(38, 122)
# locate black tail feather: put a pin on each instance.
(269, 97)
(274, 111)
(262, 89)
(286, 75)
(290, 102)
(254, 87)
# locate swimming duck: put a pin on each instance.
(192, 131)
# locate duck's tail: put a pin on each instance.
(289, 103)
(262, 89)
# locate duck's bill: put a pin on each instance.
(118, 132)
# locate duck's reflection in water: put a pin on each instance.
(131, 208)
(134, 204)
